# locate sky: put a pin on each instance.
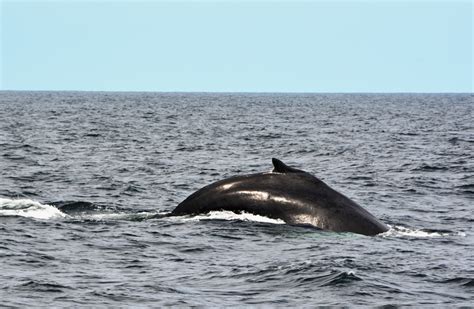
(237, 46)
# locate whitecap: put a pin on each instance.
(28, 208)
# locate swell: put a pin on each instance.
(293, 275)
(42, 286)
(460, 281)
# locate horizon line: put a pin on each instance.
(243, 92)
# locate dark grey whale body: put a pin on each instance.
(289, 194)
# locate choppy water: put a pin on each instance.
(83, 174)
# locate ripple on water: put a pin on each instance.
(86, 178)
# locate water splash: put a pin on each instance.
(229, 215)
(28, 208)
(401, 231)
(138, 216)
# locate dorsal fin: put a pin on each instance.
(280, 167)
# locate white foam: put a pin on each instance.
(28, 208)
(229, 215)
(118, 216)
(401, 231)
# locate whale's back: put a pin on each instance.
(296, 198)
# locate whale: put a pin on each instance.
(286, 193)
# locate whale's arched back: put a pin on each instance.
(286, 193)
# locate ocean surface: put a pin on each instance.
(83, 176)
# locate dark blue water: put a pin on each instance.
(109, 162)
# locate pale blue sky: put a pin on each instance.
(249, 46)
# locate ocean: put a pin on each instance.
(84, 177)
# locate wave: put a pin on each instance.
(331, 278)
(299, 274)
(430, 168)
(230, 216)
(89, 211)
(462, 281)
(466, 189)
(28, 208)
(67, 209)
(43, 286)
(83, 210)
(139, 216)
(402, 231)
